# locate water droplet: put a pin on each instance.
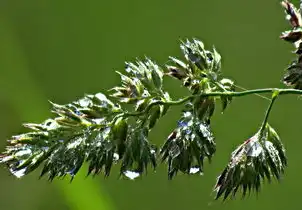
(204, 130)
(77, 112)
(182, 124)
(145, 93)
(128, 68)
(116, 157)
(19, 173)
(23, 153)
(195, 170)
(187, 114)
(101, 97)
(131, 174)
(190, 123)
(85, 102)
(99, 120)
(72, 171)
(253, 147)
(51, 125)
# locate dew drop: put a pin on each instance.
(194, 170)
(131, 174)
(23, 153)
(116, 157)
(187, 114)
(19, 173)
(101, 96)
(85, 102)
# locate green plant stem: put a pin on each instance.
(225, 93)
(268, 111)
(249, 92)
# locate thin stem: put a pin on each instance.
(261, 96)
(206, 94)
(265, 120)
(249, 92)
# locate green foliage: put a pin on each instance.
(293, 76)
(188, 145)
(109, 129)
(260, 157)
(97, 128)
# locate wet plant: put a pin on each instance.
(102, 131)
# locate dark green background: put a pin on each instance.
(59, 50)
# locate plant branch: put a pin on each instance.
(206, 94)
(264, 123)
(96, 130)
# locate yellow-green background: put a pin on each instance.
(59, 50)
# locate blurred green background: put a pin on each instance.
(59, 50)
